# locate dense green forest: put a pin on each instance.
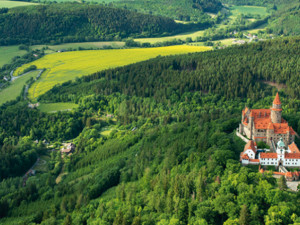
(233, 72)
(286, 21)
(57, 23)
(187, 10)
(171, 156)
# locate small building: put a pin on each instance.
(287, 157)
(68, 148)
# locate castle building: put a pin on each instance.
(266, 125)
(287, 157)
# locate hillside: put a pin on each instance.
(186, 10)
(57, 23)
(155, 143)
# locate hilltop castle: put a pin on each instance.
(266, 125)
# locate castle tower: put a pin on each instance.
(276, 110)
(280, 150)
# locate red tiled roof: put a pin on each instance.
(271, 126)
(289, 174)
(278, 173)
(282, 128)
(292, 155)
(296, 173)
(250, 145)
(293, 147)
(268, 155)
(254, 160)
(245, 156)
(277, 100)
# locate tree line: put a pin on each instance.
(60, 23)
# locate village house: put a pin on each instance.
(68, 148)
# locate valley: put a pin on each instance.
(135, 112)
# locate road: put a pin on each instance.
(12, 77)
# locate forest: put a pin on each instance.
(171, 156)
(61, 23)
(186, 10)
(169, 77)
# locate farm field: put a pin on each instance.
(182, 36)
(113, 44)
(15, 88)
(236, 10)
(7, 53)
(61, 67)
(11, 4)
(55, 107)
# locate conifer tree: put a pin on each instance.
(244, 216)
(282, 183)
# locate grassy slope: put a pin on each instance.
(11, 4)
(182, 36)
(62, 67)
(236, 10)
(54, 107)
(9, 52)
(113, 44)
(14, 90)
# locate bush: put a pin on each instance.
(30, 68)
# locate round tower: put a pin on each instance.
(276, 110)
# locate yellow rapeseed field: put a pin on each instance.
(61, 67)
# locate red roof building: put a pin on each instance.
(266, 125)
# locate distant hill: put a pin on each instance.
(286, 21)
(187, 10)
(58, 23)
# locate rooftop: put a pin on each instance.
(293, 147)
(292, 155)
(268, 155)
(277, 100)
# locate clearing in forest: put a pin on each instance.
(65, 66)
(55, 107)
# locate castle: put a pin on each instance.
(288, 157)
(266, 125)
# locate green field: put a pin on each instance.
(61, 67)
(15, 88)
(11, 4)
(86, 45)
(182, 36)
(7, 53)
(237, 10)
(55, 107)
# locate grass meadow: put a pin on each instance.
(55, 107)
(236, 10)
(7, 53)
(61, 67)
(14, 89)
(11, 4)
(182, 36)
